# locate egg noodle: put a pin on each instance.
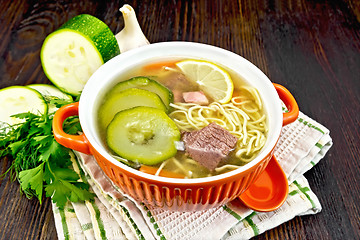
(243, 117)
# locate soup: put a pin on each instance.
(188, 113)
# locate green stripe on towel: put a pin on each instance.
(234, 214)
(81, 172)
(292, 193)
(284, 109)
(156, 226)
(99, 221)
(133, 224)
(304, 190)
(86, 226)
(64, 224)
(319, 145)
(70, 210)
(252, 224)
(310, 125)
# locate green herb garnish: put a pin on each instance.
(39, 163)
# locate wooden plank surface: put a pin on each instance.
(311, 47)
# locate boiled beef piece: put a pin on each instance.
(209, 145)
(177, 83)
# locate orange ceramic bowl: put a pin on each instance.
(174, 193)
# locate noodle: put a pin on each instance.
(242, 116)
(160, 168)
(225, 167)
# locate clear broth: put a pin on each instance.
(170, 77)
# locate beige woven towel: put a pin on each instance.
(301, 146)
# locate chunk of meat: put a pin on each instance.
(176, 81)
(195, 97)
(209, 145)
(178, 97)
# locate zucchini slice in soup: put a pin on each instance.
(147, 84)
(143, 134)
(126, 99)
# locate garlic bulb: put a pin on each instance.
(131, 36)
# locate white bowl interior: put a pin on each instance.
(106, 77)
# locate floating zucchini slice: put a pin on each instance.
(128, 98)
(143, 134)
(71, 54)
(147, 84)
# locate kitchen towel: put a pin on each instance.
(113, 215)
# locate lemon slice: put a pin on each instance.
(212, 80)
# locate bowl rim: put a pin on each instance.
(157, 50)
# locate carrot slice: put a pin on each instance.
(159, 66)
(163, 173)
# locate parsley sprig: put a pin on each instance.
(39, 163)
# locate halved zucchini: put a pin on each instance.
(71, 54)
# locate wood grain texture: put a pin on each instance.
(311, 47)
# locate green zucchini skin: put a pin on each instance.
(97, 31)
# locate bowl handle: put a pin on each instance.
(75, 142)
(290, 103)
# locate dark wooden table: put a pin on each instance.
(311, 47)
